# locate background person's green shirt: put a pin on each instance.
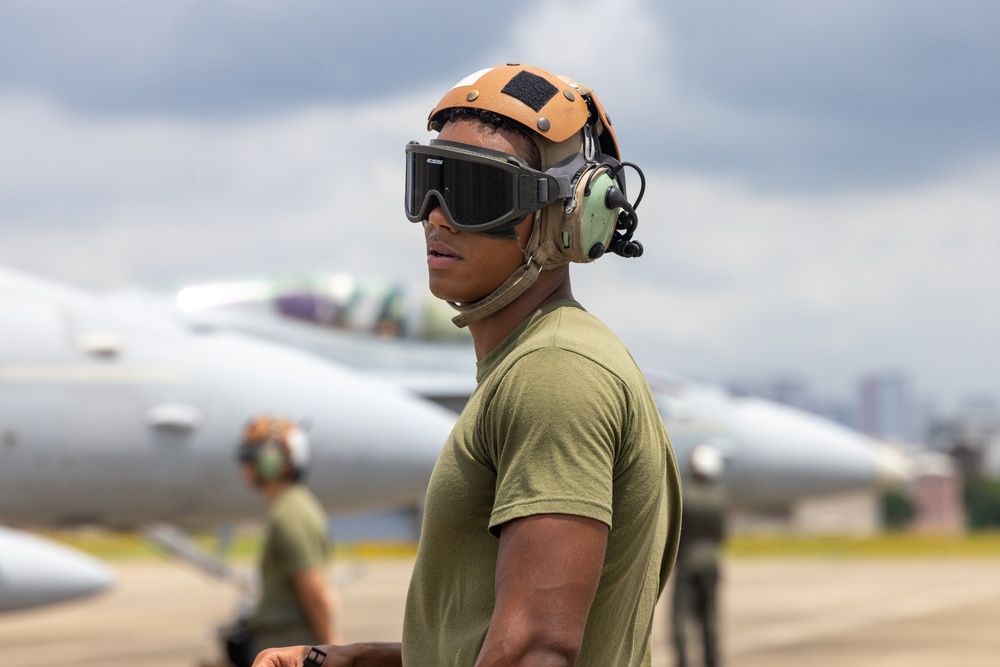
(295, 540)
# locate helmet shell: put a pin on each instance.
(553, 108)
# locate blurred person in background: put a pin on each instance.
(696, 572)
(295, 606)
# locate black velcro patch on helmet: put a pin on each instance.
(531, 89)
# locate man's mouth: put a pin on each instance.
(437, 249)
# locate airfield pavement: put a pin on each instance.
(813, 612)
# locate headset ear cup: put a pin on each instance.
(598, 221)
(589, 227)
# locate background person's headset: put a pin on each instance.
(275, 447)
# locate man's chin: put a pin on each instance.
(450, 294)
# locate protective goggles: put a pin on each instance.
(479, 190)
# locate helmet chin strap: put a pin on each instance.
(516, 285)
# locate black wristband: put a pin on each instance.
(315, 658)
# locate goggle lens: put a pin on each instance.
(477, 191)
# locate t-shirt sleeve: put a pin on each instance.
(301, 548)
(552, 430)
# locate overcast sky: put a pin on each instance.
(823, 178)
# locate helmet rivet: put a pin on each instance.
(607, 118)
(473, 94)
(569, 95)
(544, 124)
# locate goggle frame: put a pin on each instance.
(527, 190)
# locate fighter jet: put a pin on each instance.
(775, 455)
(120, 411)
(115, 412)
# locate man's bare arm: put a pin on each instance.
(548, 569)
(310, 587)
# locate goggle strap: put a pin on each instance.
(516, 285)
(565, 174)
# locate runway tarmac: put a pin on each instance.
(779, 613)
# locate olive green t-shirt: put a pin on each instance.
(295, 540)
(562, 421)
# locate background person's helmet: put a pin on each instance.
(569, 126)
(276, 448)
(707, 462)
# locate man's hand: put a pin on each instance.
(290, 656)
(373, 654)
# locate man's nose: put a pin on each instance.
(437, 219)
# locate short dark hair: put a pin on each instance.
(497, 122)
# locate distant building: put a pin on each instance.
(784, 389)
(886, 408)
(936, 490)
(972, 437)
(797, 393)
(836, 411)
(789, 391)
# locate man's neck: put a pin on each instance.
(271, 490)
(489, 332)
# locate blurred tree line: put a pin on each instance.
(982, 502)
(981, 495)
(898, 509)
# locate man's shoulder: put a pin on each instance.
(297, 501)
(579, 337)
(567, 326)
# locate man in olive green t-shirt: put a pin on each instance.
(560, 425)
(294, 606)
(553, 513)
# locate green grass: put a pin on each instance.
(123, 546)
(984, 544)
(118, 545)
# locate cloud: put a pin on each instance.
(845, 95)
(821, 190)
(784, 96)
(201, 58)
(102, 202)
(735, 282)
(781, 95)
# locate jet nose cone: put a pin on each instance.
(35, 571)
(809, 455)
